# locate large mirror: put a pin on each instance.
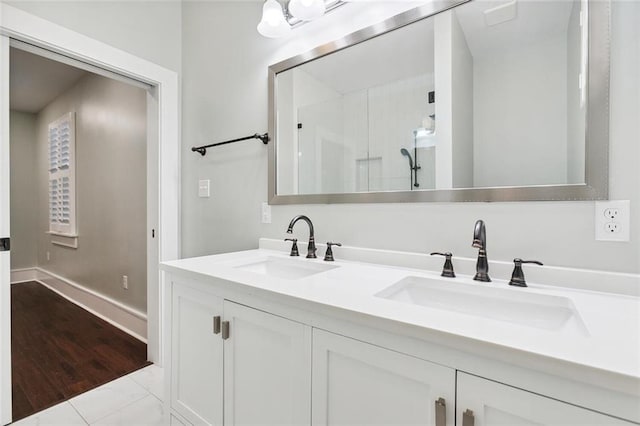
(472, 101)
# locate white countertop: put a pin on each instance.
(606, 338)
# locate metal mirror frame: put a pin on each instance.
(596, 186)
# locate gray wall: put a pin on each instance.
(225, 96)
(148, 29)
(110, 189)
(24, 201)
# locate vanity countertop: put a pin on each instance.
(604, 339)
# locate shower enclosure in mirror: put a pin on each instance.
(479, 101)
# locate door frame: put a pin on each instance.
(164, 140)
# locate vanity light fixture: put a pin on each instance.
(307, 10)
(273, 23)
(280, 16)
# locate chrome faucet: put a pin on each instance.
(311, 248)
(480, 242)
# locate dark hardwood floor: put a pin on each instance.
(59, 350)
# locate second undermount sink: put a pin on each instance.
(286, 268)
(505, 304)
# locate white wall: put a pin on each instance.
(364, 129)
(520, 125)
(111, 188)
(148, 29)
(225, 96)
(576, 111)
(24, 203)
(454, 104)
(443, 52)
(356, 136)
(321, 148)
(462, 107)
(288, 156)
(318, 108)
(395, 110)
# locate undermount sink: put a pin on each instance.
(504, 304)
(285, 268)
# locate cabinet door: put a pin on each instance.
(267, 369)
(356, 383)
(196, 356)
(496, 404)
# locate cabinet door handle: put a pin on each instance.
(216, 324)
(225, 330)
(467, 418)
(441, 412)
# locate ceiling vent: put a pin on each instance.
(500, 14)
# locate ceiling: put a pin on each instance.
(534, 21)
(409, 51)
(36, 81)
(401, 54)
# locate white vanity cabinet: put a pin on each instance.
(196, 356)
(360, 383)
(356, 383)
(267, 365)
(482, 402)
(272, 359)
(259, 373)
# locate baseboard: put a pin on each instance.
(127, 319)
(24, 275)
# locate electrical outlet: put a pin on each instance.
(48, 256)
(125, 282)
(266, 213)
(612, 227)
(611, 213)
(612, 220)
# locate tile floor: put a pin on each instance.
(135, 399)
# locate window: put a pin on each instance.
(62, 185)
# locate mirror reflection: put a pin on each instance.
(488, 94)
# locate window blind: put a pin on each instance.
(62, 209)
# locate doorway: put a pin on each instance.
(163, 135)
(78, 226)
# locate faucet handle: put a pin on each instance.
(517, 277)
(328, 255)
(294, 247)
(447, 269)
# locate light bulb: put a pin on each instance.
(273, 23)
(307, 10)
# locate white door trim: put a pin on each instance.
(20, 25)
(5, 256)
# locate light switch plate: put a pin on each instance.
(204, 188)
(266, 213)
(612, 220)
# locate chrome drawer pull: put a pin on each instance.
(441, 412)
